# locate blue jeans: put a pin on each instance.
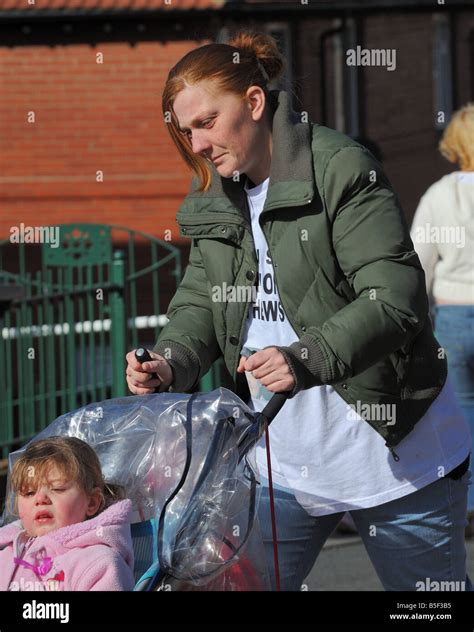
(454, 330)
(413, 539)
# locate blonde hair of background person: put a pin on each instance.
(457, 143)
(443, 225)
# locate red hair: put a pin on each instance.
(246, 60)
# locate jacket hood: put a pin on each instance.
(291, 172)
(105, 528)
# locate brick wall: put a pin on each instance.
(88, 117)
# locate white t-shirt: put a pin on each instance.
(321, 449)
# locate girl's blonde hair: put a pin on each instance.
(247, 59)
(457, 142)
(75, 460)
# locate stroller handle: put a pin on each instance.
(274, 406)
(142, 355)
(270, 411)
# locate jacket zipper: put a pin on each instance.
(249, 228)
(393, 453)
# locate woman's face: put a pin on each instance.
(229, 131)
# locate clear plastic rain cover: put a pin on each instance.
(186, 461)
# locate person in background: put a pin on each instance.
(443, 235)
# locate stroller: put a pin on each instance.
(187, 464)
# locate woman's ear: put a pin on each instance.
(256, 100)
(96, 500)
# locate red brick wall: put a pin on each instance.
(89, 117)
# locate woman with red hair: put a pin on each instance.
(302, 275)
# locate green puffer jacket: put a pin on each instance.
(347, 274)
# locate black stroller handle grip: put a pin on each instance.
(274, 406)
(142, 355)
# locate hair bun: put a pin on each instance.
(265, 50)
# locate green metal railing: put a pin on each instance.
(84, 303)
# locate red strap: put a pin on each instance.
(272, 511)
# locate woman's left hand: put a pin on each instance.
(270, 368)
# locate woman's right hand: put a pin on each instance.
(139, 378)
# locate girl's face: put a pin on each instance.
(224, 126)
(55, 503)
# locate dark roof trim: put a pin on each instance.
(238, 8)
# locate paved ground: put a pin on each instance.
(343, 564)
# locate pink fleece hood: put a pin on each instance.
(95, 554)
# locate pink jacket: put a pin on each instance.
(95, 554)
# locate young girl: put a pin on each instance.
(73, 532)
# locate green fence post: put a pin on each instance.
(70, 343)
(7, 407)
(117, 330)
(207, 382)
